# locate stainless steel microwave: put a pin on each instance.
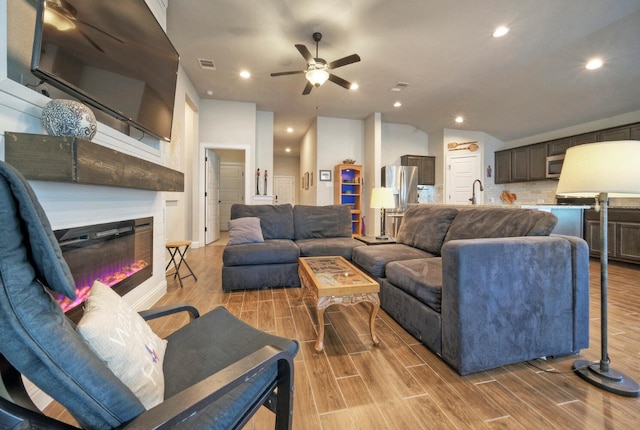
(554, 165)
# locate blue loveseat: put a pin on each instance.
(287, 233)
(484, 287)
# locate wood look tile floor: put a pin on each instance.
(401, 384)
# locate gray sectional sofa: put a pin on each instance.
(484, 287)
(287, 233)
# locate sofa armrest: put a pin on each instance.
(507, 300)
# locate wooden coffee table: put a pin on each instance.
(335, 281)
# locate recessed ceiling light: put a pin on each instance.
(289, 129)
(287, 150)
(500, 31)
(209, 92)
(245, 74)
(593, 64)
(397, 104)
(354, 86)
(459, 119)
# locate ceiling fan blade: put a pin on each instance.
(305, 53)
(338, 80)
(353, 58)
(307, 89)
(297, 72)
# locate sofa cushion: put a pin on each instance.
(420, 278)
(373, 259)
(245, 230)
(275, 251)
(476, 223)
(321, 221)
(425, 227)
(276, 221)
(342, 246)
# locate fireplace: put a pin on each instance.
(119, 254)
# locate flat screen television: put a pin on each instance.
(110, 54)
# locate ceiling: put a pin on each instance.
(528, 82)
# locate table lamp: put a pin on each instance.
(383, 199)
(603, 170)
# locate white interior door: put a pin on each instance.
(231, 190)
(212, 197)
(283, 187)
(461, 172)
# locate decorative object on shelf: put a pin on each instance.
(325, 175)
(488, 171)
(258, 182)
(603, 170)
(508, 197)
(264, 192)
(382, 198)
(68, 118)
(349, 161)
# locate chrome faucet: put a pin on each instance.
(473, 190)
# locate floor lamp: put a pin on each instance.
(382, 198)
(603, 170)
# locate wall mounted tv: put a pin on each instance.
(110, 54)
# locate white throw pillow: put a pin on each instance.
(122, 339)
(245, 230)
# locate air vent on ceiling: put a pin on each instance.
(400, 86)
(206, 64)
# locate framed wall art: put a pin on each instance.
(325, 175)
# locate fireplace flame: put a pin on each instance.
(111, 278)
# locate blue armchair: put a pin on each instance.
(218, 371)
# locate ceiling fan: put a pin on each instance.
(318, 70)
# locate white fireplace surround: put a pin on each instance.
(72, 205)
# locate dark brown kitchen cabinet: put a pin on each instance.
(537, 162)
(520, 164)
(582, 139)
(634, 132)
(623, 234)
(503, 167)
(526, 163)
(620, 133)
(426, 167)
(558, 146)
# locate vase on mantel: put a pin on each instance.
(68, 118)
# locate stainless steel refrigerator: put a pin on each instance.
(404, 181)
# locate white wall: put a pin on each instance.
(338, 139)
(372, 166)
(181, 155)
(264, 148)
(401, 139)
(309, 163)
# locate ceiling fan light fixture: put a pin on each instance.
(317, 77)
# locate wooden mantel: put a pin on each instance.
(66, 159)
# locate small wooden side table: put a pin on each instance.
(175, 248)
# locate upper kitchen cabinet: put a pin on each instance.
(503, 167)
(426, 167)
(526, 163)
(620, 133)
(537, 162)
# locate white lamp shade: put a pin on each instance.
(382, 198)
(604, 167)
